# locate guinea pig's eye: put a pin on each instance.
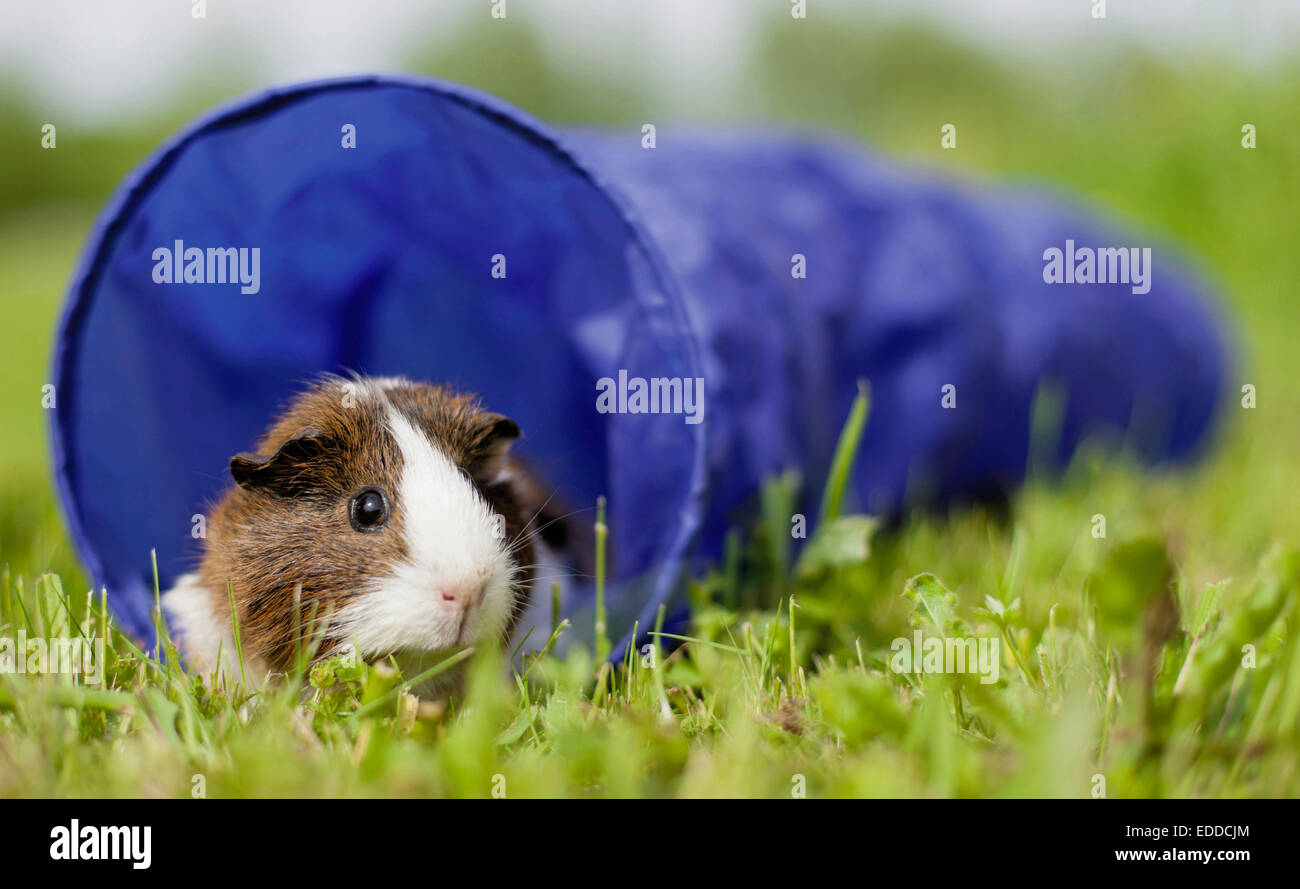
(368, 509)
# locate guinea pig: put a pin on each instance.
(390, 510)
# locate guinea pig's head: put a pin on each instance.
(390, 503)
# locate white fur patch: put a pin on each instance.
(453, 540)
(372, 388)
(193, 615)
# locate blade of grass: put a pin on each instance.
(239, 645)
(440, 667)
(846, 451)
(602, 532)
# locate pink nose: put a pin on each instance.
(463, 595)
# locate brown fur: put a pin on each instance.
(286, 524)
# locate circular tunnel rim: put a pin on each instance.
(111, 221)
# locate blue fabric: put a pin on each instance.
(671, 262)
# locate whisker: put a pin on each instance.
(520, 539)
(538, 511)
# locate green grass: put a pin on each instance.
(1123, 656)
(1115, 664)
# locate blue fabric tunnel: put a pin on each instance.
(775, 269)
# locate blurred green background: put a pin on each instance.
(1151, 136)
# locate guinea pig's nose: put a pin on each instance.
(463, 595)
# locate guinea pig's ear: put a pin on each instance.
(288, 472)
(502, 431)
(499, 433)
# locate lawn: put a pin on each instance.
(1159, 660)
